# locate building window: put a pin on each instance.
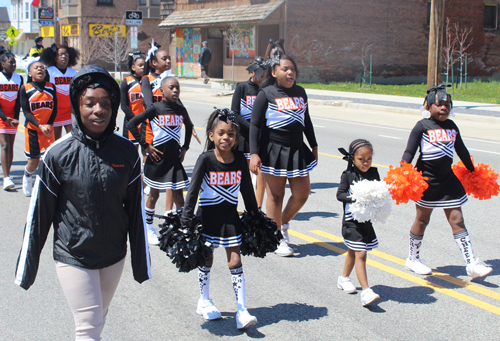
(14, 12)
(490, 17)
(155, 2)
(429, 5)
(142, 2)
(26, 10)
(105, 2)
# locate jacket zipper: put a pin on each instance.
(103, 226)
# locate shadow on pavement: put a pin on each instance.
(294, 312)
(315, 249)
(413, 295)
(304, 216)
(457, 270)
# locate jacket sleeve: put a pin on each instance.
(257, 121)
(413, 143)
(194, 190)
(141, 262)
(343, 190)
(40, 217)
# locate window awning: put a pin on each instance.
(248, 14)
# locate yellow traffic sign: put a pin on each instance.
(12, 32)
(13, 42)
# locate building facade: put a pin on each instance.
(331, 40)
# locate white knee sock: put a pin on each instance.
(238, 280)
(415, 243)
(150, 213)
(204, 281)
(463, 241)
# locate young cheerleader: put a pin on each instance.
(39, 102)
(280, 117)
(221, 173)
(163, 169)
(243, 99)
(10, 83)
(358, 237)
(438, 137)
(273, 47)
(131, 93)
(60, 59)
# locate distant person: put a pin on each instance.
(37, 49)
(204, 60)
(273, 47)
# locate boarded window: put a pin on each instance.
(490, 16)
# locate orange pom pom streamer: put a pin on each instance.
(482, 183)
(406, 183)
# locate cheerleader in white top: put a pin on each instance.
(59, 60)
(10, 83)
(280, 118)
(221, 173)
(438, 138)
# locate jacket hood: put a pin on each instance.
(89, 77)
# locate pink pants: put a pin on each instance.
(89, 294)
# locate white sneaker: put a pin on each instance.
(478, 269)
(283, 249)
(147, 190)
(153, 237)
(345, 284)
(244, 319)
(8, 183)
(284, 232)
(418, 267)
(27, 185)
(369, 297)
(207, 309)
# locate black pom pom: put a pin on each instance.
(260, 235)
(184, 245)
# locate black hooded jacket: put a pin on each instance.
(91, 192)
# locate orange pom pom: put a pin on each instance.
(406, 183)
(482, 183)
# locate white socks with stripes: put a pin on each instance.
(204, 281)
(150, 213)
(415, 243)
(238, 280)
(463, 241)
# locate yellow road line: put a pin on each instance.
(404, 275)
(445, 277)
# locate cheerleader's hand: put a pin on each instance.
(255, 163)
(12, 122)
(182, 154)
(154, 153)
(315, 153)
(45, 128)
(196, 136)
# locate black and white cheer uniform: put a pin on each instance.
(166, 120)
(437, 141)
(357, 236)
(280, 117)
(243, 99)
(220, 183)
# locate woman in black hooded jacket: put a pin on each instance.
(89, 187)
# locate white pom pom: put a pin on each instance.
(372, 201)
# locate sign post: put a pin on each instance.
(133, 38)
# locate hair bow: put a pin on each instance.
(29, 61)
(152, 49)
(135, 55)
(259, 66)
(226, 115)
(54, 47)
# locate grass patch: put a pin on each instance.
(477, 91)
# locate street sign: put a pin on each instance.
(12, 32)
(133, 18)
(46, 23)
(47, 31)
(13, 42)
(71, 30)
(133, 37)
(45, 13)
(107, 30)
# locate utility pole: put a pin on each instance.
(436, 28)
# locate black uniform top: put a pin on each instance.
(284, 111)
(219, 183)
(437, 141)
(344, 191)
(166, 120)
(26, 100)
(243, 99)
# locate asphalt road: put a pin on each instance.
(293, 298)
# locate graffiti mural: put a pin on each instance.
(187, 50)
(244, 44)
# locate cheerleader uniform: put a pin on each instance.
(220, 183)
(131, 103)
(9, 101)
(166, 120)
(243, 99)
(39, 102)
(61, 79)
(357, 236)
(279, 143)
(438, 140)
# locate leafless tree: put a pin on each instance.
(365, 49)
(233, 34)
(90, 47)
(449, 48)
(463, 43)
(115, 48)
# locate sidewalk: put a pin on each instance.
(399, 104)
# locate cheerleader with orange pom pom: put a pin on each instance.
(438, 137)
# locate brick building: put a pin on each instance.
(329, 37)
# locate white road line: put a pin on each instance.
(391, 137)
(359, 124)
(479, 140)
(483, 151)
(317, 126)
